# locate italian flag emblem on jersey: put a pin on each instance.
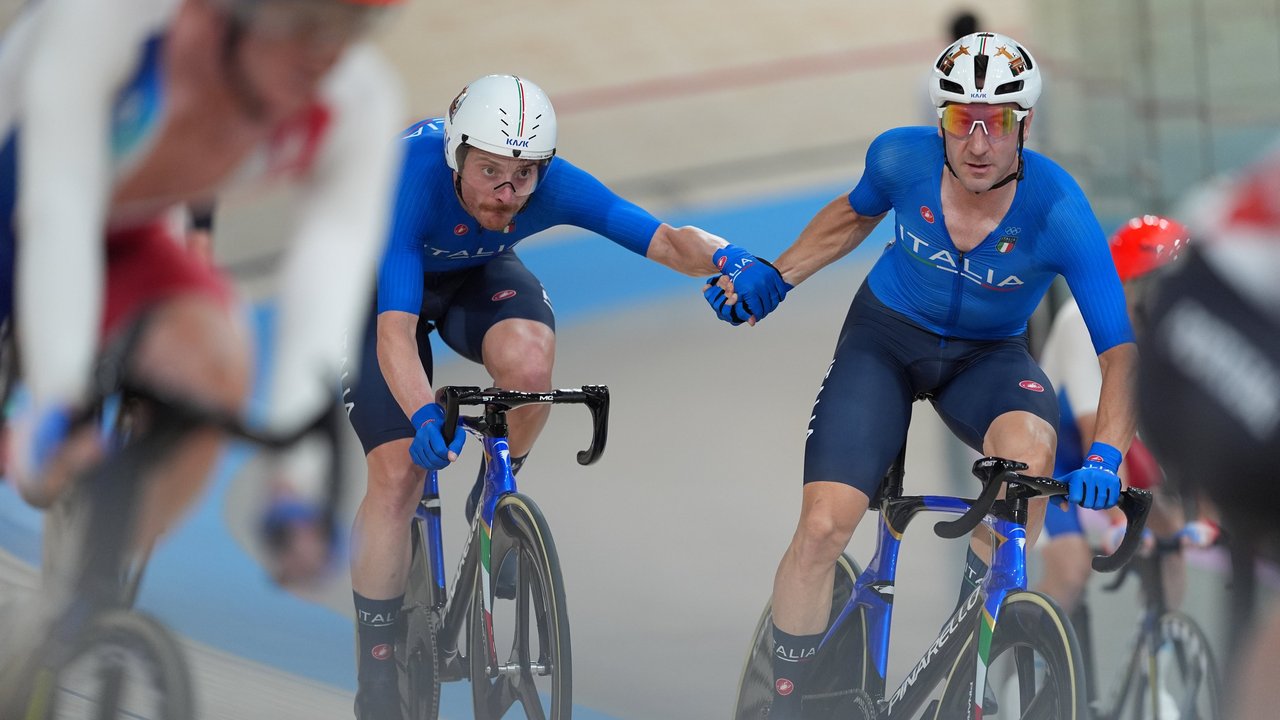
(1005, 244)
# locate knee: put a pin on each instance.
(520, 354)
(820, 538)
(395, 484)
(193, 346)
(1024, 437)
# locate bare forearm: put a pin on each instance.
(1116, 420)
(686, 250)
(401, 367)
(833, 233)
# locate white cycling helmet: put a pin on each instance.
(502, 114)
(985, 68)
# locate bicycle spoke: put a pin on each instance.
(522, 610)
(1043, 705)
(1025, 662)
(112, 679)
(527, 692)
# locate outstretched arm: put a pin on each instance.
(685, 249)
(78, 54)
(833, 233)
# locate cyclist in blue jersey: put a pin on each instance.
(982, 227)
(474, 184)
(116, 117)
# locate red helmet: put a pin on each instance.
(1146, 243)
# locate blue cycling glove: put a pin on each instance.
(429, 449)
(1096, 485)
(757, 282)
(718, 299)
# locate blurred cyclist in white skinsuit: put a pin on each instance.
(116, 115)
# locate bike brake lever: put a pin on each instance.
(1136, 504)
(597, 397)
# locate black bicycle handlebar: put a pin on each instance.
(985, 469)
(187, 410)
(996, 473)
(595, 397)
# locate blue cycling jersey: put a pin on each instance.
(431, 232)
(988, 292)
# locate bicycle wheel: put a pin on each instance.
(520, 654)
(418, 656)
(126, 666)
(1186, 684)
(837, 668)
(1035, 670)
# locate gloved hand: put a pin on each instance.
(38, 434)
(297, 529)
(757, 282)
(301, 542)
(718, 299)
(1096, 485)
(429, 449)
(1199, 534)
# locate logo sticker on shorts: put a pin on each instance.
(460, 229)
(926, 213)
(784, 686)
(1031, 385)
(720, 263)
(381, 652)
(503, 295)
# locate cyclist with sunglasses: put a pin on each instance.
(982, 227)
(474, 185)
(122, 115)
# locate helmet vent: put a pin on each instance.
(1025, 56)
(1009, 87)
(980, 70)
(950, 86)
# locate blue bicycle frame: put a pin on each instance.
(873, 592)
(498, 481)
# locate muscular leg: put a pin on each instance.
(1066, 569)
(1028, 438)
(829, 514)
(519, 355)
(380, 555)
(380, 549)
(193, 347)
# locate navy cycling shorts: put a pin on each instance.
(1060, 521)
(460, 306)
(882, 363)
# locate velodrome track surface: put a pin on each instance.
(668, 544)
